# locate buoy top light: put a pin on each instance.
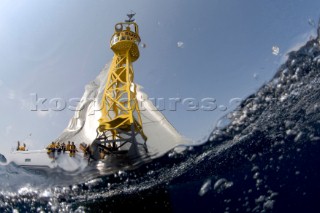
(126, 36)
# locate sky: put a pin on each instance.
(221, 50)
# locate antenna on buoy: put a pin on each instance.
(130, 16)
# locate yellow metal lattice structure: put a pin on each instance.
(121, 120)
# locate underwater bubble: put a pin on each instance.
(80, 209)
(212, 137)
(54, 204)
(289, 124)
(316, 107)
(313, 138)
(275, 50)
(172, 154)
(94, 182)
(151, 172)
(256, 76)
(268, 204)
(75, 187)
(268, 98)
(258, 182)
(190, 148)
(298, 137)
(254, 107)
(260, 199)
(290, 132)
(222, 184)
(121, 173)
(143, 45)
(64, 207)
(251, 159)
(206, 186)
(223, 122)
(283, 97)
(46, 193)
(25, 190)
(272, 194)
(180, 44)
(227, 201)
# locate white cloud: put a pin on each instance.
(1, 83)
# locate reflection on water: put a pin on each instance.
(57, 190)
(13, 177)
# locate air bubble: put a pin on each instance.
(206, 186)
(268, 204)
(54, 203)
(275, 50)
(46, 193)
(222, 184)
(223, 122)
(260, 199)
(311, 22)
(180, 44)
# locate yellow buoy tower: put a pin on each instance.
(120, 121)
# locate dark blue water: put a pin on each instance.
(266, 159)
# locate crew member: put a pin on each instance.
(68, 146)
(18, 146)
(21, 148)
(102, 153)
(51, 149)
(73, 150)
(58, 147)
(24, 147)
(63, 147)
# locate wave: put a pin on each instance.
(266, 159)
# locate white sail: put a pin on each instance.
(162, 136)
